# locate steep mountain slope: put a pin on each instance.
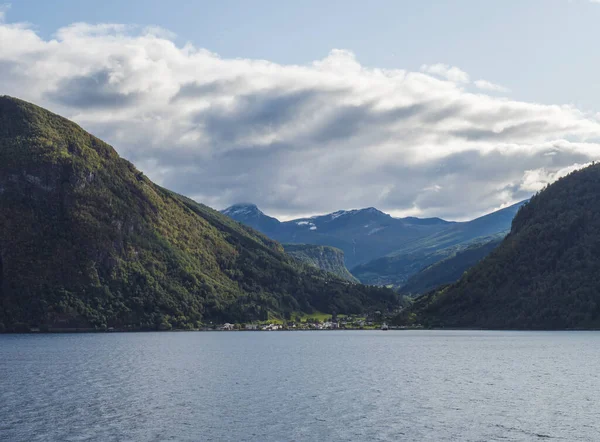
(328, 259)
(449, 269)
(86, 240)
(363, 234)
(411, 257)
(544, 275)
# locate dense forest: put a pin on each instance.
(86, 240)
(544, 275)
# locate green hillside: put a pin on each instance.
(449, 269)
(86, 240)
(544, 275)
(325, 258)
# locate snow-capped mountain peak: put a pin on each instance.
(242, 210)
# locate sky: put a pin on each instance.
(421, 108)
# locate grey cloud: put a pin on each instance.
(507, 133)
(346, 122)
(438, 112)
(351, 120)
(254, 113)
(502, 112)
(212, 88)
(92, 91)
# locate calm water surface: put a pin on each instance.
(296, 386)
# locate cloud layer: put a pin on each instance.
(297, 140)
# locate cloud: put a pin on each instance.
(536, 180)
(94, 90)
(489, 86)
(296, 139)
(451, 73)
(4, 7)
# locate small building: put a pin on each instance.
(271, 327)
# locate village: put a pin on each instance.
(318, 322)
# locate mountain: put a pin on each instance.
(449, 269)
(412, 256)
(86, 240)
(251, 216)
(544, 275)
(362, 234)
(328, 259)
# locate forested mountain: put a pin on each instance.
(544, 275)
(325, 258)
(413, 256)
(449, 269)
(86, 240)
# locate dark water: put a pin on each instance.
(297, 386)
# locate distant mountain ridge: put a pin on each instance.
(253, 216)
(411, 257)
(363, 234)
(379, 249)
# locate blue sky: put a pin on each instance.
(543, 50)
(425, 108)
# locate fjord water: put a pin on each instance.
(293, 386)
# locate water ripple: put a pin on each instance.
(337, 386)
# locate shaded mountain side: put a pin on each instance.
(449, 269)
(379, 249)
(544, 275)
(328, 259)
(362, 234)
(86, 240)
(397, 270)
(413, 256)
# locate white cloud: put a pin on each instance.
(489, 86)
(4, 7)
(536, 180)
(451, 73)
(295, 139)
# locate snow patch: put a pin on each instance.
(310, 224)
(370, 210)
(337, 214)
(241, 210)
(375, 230)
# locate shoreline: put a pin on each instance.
(121, 331)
